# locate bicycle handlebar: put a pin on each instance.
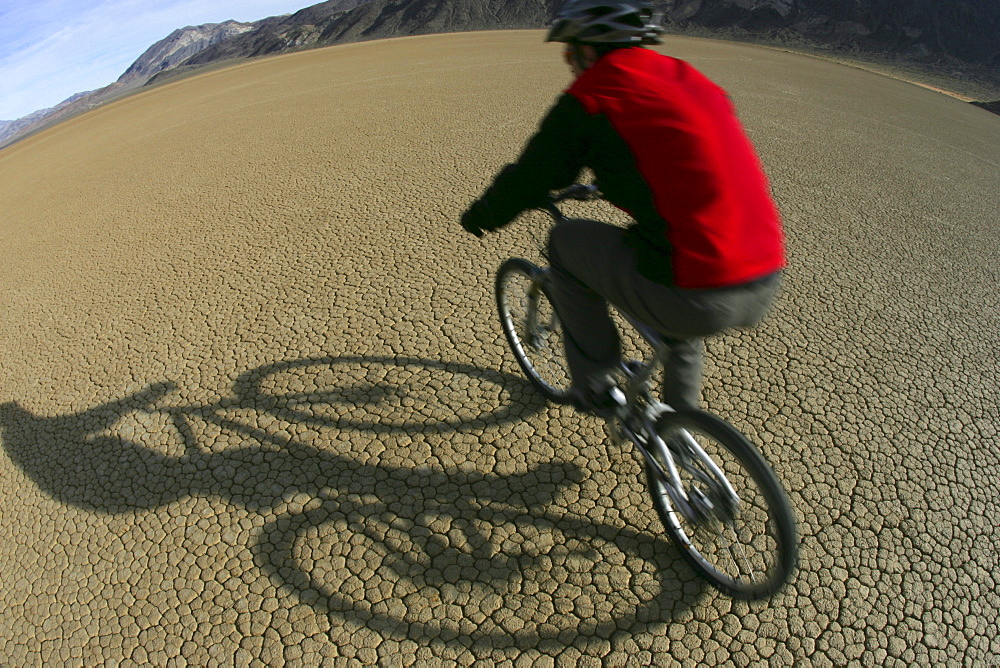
(580, 192)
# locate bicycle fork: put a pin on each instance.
(694, 506)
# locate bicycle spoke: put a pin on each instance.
(738, 545)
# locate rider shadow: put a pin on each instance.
(427, 535)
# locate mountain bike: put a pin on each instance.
(714, 492)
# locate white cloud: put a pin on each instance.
(52, 49)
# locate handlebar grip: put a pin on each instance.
(577, 191)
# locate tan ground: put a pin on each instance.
(255, 405)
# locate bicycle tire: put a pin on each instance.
(537, 344)
(763, 563)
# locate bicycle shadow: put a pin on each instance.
(421, 531)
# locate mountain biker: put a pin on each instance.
(706, 249)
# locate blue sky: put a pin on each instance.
(52, 49)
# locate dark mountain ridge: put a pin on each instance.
(965, 30)
(963, 34)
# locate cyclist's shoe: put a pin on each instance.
(602, 397)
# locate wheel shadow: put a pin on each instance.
(379, 545)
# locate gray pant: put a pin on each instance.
(592, 265)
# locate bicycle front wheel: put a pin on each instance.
(748, 548)
(532, 328)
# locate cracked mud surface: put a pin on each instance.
(255, 405)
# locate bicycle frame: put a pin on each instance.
(642, 411)
(641, 430)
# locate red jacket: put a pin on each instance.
(666, 146)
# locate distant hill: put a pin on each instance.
(962, 31)
(166, 54)
(180, 45)
(25, 123)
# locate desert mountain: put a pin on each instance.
(328, 23)
(25, 123)
(164, 55)
(962, 31)
(967, 30)
(180, 45)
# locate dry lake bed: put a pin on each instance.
(256, 407)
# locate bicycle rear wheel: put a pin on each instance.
(532, 328)
(748, 549)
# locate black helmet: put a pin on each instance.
(611, 23)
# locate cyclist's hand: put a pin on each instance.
(477, 219)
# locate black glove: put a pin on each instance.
(478, 218)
